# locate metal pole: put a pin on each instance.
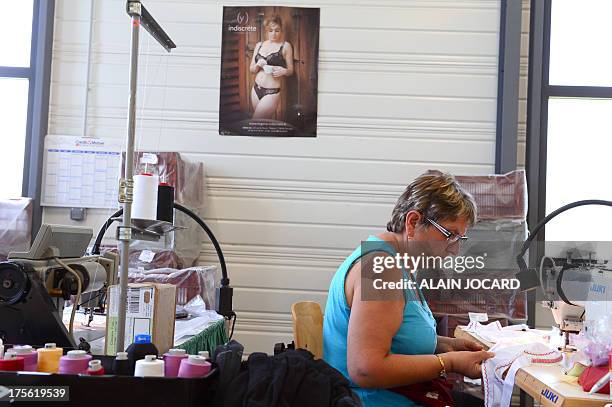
(125, 233)
(88, 71)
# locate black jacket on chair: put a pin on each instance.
(290, 379)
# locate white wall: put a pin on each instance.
(405, 86)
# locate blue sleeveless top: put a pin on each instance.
(415, 336)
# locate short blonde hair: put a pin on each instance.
(275, 19)
(435, 195)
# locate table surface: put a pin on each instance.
(545, 383)
(96, 331)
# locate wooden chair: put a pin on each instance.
(308, 327)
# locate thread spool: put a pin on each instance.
(121, 364)
(150, 366)
(141, 347)
(29, 355)
(165, 202)
(49, 358)
(1, 349)
(144, 205)
(95, 368)
(193, 367)
(12, 363)
(172, 360)
(75, 362)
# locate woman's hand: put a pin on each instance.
(279, 71)
(446, 344)
(460, 344)
(467, 363)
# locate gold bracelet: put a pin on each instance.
(443, 371)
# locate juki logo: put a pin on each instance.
(550, 395)
(598, 288)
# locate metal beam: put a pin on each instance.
(38, 105)
(592, 92)
(16, 72)
(508, 86)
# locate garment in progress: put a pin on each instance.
(260, 91)
(274, 59)
(498, 372)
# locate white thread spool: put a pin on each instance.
(144, 205)
(150, 366)
(1, 349)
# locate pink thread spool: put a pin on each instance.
(29, 355)
(193, 367)
(75, 362)
(172, 360)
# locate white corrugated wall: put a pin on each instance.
(405, 86)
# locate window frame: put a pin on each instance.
(39, 83)
(538, 94)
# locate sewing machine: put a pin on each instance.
(35, 285)
(576, 287)
(576, 291)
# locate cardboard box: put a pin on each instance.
(150, 310)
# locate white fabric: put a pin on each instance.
(498, 372)
(495, 332)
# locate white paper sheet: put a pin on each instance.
(81, 172)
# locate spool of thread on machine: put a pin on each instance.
(49, 358)
(193, 367)
(95, 368)
(12, 363)
(75, 362)
(121, 365)
(150, 366)
(145, 196)
(29, 355)
(165, 202)
(172, 360)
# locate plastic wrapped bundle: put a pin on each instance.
(498, 234)
(498, 196)
(146, 259)
(190, 282)
(15, 225)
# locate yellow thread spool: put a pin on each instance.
(49, 358)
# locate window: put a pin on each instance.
(570, 109)
(16, 22)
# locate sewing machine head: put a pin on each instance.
(576, 290)
(34, 285)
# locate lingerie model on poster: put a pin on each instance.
(269, 71)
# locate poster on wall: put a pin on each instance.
(269, 71)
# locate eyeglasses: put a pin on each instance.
(450, 236)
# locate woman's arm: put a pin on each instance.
(288, 55)
(255, 67)
(372, 326)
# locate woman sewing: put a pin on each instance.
(272, 60)
(391, 342)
